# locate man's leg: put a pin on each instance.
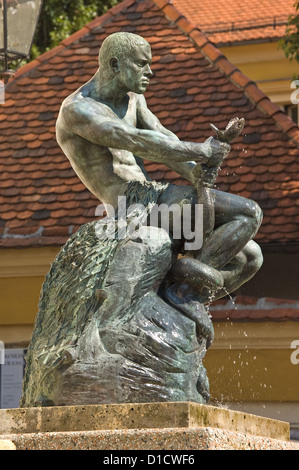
(189, 273)
(230, 249)
(237, 220)
(239, 270)
(228, 257)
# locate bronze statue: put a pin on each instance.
(105, 128)
(124, 320)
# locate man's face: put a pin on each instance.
(135, 71)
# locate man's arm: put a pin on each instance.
(86, 119)
(147, 120)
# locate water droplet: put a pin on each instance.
(231, 298)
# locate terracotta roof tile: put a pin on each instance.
(194, 84)
(229, 22)
(244, 308)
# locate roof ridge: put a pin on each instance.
(214, 55)
(99, 20)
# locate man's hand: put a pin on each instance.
(204, 175)
(219, 150)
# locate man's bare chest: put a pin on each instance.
(125, 113)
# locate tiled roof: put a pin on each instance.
(238, 21)
(42, 201)
(244, 308)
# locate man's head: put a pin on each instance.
(127, 56)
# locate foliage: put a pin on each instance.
(60, 18)
(290, 43)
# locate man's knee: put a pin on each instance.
(256, 213)
(253, 255)
(252, 215)
(230, 207)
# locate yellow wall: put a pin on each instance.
(251, 361)
(267, 65)
(22, 273)
(18, 305)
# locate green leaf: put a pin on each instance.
(61, 18)
(290, 43)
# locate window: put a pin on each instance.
(292, 111)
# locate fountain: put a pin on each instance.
(123, 312)
(123, 322)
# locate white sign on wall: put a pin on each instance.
(2, 92)
(11, 377)
(2, 353)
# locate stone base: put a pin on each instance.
(141, 426)
(172, 439)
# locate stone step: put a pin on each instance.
(137, 416)
(148, 441)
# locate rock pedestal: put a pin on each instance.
(105, 334)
